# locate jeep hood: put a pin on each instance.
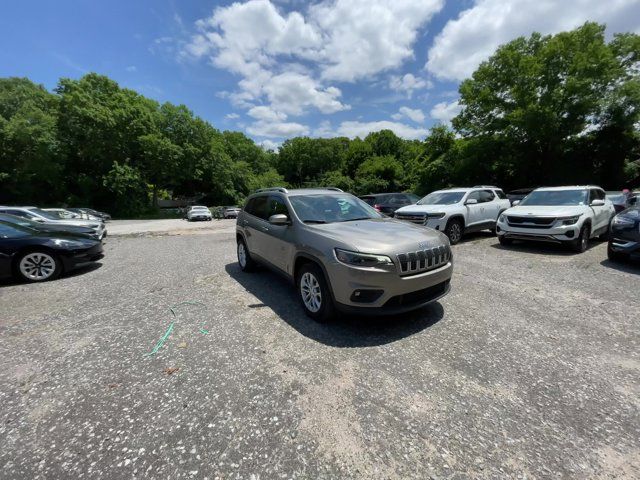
(547, 211)
(382, 236)
(428, 208)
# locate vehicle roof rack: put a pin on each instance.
(273, 189)
(484, 186)
(335, 189)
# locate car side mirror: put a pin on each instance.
(471, 201)
(597, 203)
(279, 219)
(515, 202)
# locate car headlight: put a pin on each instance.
(501, 218)
(622, 220)
(69, 243)
(435, 215)
(569, 220)
(362, 259)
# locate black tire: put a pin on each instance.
(326, 310)
(247, 264)
(45, 266)
(581, 243)
(504, 240)
(615, 256)
(454, 230)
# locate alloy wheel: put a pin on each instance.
(242, 255)
(455, 232)
(37, 266)
(310, 291)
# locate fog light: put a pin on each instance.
(366, 296)
(437, 227)
(498, 229)
(570, 233)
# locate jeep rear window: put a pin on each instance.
(331, 208)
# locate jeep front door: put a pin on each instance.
(475, 210)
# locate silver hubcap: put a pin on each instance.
(242, 255)
(310, 291)
(37, 266)
(455, 232)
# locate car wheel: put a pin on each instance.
(582, 242)
(244, 257)
(504, 240)
(454, 231)
(615, 256)
(37, 266)
(314, 293)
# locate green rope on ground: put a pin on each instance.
(161, 341)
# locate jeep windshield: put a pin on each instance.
(556, 197)
(331, 208)
(442, 198)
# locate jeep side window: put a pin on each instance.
(600, 195)
(593, 195)
(486, 196)
(277, 207)
(500, 194)
(249, 206)
(474, 196)
(260, 207)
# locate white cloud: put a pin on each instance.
(445, 112)
(131, 68)
(292, 92)
(471, 38)
(408, 83)
(270, 145)
(231, 116)
(412, 114)
(354, 129)
(266, 114)
(263, 128)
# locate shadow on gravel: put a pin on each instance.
(629, 266)
(348, 331)
(543, 248)
(90, 267)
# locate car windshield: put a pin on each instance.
(42, 213)
(556, 197)
(24, 222)
(8, 230)
(199, 208)
(331, 208)
(442, 198)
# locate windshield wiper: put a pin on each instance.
(314, 221)
(356, 219)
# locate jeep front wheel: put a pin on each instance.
(314, 293)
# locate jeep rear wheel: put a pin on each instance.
(244, 257)
(454, 231)
(314, 293)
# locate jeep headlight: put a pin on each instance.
(362, 259)
(569, 220)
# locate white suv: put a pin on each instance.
(457, 211)
(570, 215)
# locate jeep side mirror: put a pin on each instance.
(471, 201)
(279, 219)
(597, 203)
(515, 202)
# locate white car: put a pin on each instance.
(457, 211)
(63, 214)
(199, 213)
(570, 215)
(50, 218)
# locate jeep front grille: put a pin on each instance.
(423, 260)
(418, 218)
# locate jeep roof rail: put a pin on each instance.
(273, 189)
(484, 186)
(335, 189)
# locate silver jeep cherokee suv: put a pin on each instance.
(341, 253)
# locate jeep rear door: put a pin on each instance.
(254, 223)
(278, 239)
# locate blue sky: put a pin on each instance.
(281, 68)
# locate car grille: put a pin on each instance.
(530, 222)
(418, 297)
(418, 218)
(421, 261)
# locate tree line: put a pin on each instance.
(543, 110)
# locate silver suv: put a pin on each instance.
(341, 253)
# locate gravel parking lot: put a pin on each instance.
(530, 368)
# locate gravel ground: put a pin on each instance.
(172, 225)
(528, 369)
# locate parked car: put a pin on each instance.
(63, 213)
(91, 214)
(32, 255)
(519, 194)
(341, 254)
(41, 216)
(570, 215)
(457, 211)
(388, 203)
(199, 213)
(44, 227)
(230, 212)
(622, 200)
(624, 237)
